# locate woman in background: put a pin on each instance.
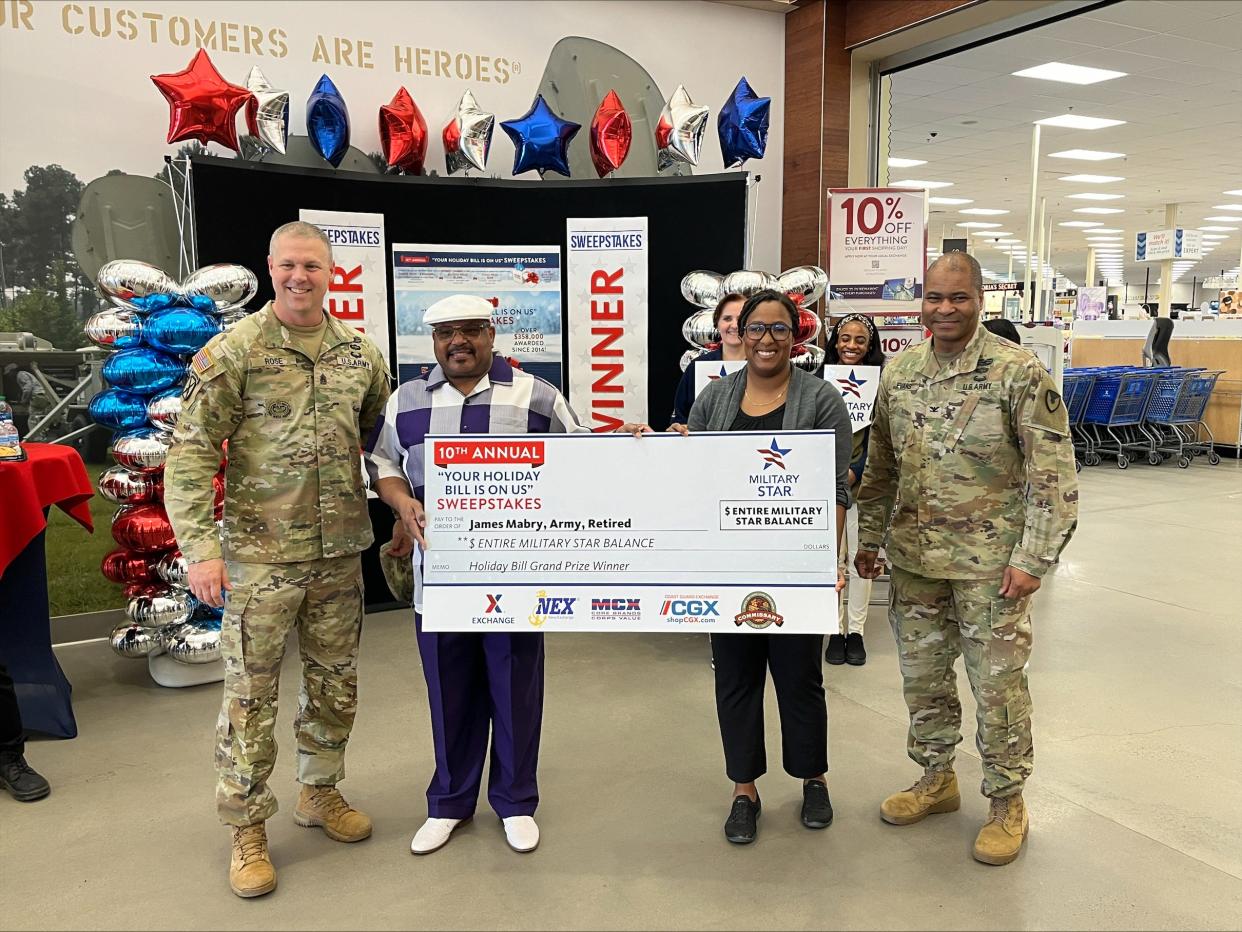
(853, 341)
(724, 319)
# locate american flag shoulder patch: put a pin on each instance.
(204, 361)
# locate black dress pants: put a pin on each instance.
(11, 738)
(742, 664)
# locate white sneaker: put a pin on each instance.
(522, 833)
(434, 835)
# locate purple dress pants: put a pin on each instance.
(479, 684)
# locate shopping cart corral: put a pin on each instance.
(1131, 413)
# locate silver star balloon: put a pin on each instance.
(468, 136)
(267, 112)
(679, 134)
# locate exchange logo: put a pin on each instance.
(774, 456)
(616, 609)
(550, 607)
(758, 611)
(851, 385)
(494, 614)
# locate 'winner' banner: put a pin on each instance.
(358, 292)
(607, 320)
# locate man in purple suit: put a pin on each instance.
(473, 680)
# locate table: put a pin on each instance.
(51, 475)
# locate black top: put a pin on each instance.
(765, 422)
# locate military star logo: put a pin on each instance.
(774, 455)
(851, 385)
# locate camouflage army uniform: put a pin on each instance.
(975, 466)
(295, 520)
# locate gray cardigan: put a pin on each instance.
(812, 404)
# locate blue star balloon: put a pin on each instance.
(143, 370)
(743, 125)
(327, 121)
(541, 140)
(117, 409)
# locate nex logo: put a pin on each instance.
(615, 605)
(699, 608)
(493, 605)
(555, 606)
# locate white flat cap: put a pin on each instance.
(458, 307)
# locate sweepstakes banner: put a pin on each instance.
(522, 283)
(607, 320)
(358, 292)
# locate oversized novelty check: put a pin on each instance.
(730, 532)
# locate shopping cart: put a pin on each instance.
(1167, 438)
(1188, 416)
(1076, 389)
(1114, 413)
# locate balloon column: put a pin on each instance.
(152, 327)
(804, 285)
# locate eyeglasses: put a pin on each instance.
(469, 331)
(780, 332)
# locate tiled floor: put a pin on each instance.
(1137, 683)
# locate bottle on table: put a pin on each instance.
(10, 444)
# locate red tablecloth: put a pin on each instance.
(52, 474)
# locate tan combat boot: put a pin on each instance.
(1001, 837)
(325, 806)
(935, 792)
(251, 872)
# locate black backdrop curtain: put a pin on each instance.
(695, 222)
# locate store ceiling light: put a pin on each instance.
(904, 163)
(1096, 196)
(1074, 121)
(949, 201)
(1107, 230)
(1218, 229)
(976, 224)
(1237, 192)
(1068, 74)
(1080, 223)
(1224, 219)
(922, 184)
(1227, 207)
(990, 234)
(984, 211)
(1099, 210)
(1010, 242)
(1091, 179)
(1086, 155)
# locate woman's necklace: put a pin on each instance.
(764, 404)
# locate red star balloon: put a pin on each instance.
(611, 132)
(403, 133)
(203, 105)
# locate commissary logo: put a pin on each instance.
(758, 611)
(550, 607)
(774, 456)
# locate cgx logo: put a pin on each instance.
(698, 608)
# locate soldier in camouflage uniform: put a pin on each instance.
(971, 461)
(293, 392)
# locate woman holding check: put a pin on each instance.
(771, 394)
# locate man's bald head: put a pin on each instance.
(956, 261)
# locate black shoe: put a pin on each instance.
(835, 654)
(855, 653)
(743, 822)
(816, 806)
(20, 779)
